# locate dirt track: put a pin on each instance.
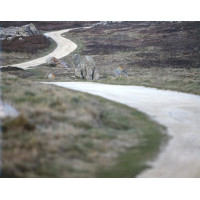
(64, 47)
(179, 112)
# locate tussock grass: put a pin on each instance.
(62, 133)
(183, 80)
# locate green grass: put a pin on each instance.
(133, 161)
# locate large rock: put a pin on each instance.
(54, 62)
(6, 110)
(12, 32)
(85, 68)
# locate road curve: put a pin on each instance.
(179, 112)
(64, 47)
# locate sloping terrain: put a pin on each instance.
(141, 44)
(50, 25)
(177, 111)
(62, 133)
(64, 47)
(131, 44)
(30, 44)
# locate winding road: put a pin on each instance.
(64, 48)
(179, 112)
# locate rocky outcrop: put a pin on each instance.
(11, 32)
(54, 62)
(85, 68)
(105, 23)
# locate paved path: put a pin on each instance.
(179, 112)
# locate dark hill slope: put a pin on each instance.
(142, 44)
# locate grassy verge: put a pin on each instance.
(62, 133)
(183, 80)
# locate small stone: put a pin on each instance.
(120, 71)
(51, 76)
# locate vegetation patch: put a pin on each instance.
(183, 80)
(62, 133)
(50, 25)
(30, 48)
(29, 44)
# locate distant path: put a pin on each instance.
(64, 47)
(179, 112)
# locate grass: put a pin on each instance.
(183, 80)
(154, 55)
(15, 58)
(62, 133)
(132, 162)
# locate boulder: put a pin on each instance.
(32, 29)
(11, 32)
(85, 68)
(77, 59)
(78, 73)
(96, 75)
(6, 110)
(54, 62)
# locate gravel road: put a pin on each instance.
(179, 112)
(64, 48)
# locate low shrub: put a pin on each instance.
(29, 44)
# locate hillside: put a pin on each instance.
(85, 135)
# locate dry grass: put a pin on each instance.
(159, 54)
(18, 57)
(184, 80)
(62, 133)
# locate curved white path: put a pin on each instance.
(179, 112)
(64, 47)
